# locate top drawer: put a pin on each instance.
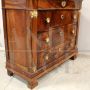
(59, 4)
(14, 3)
(19, 4)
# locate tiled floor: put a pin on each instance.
(72, 75)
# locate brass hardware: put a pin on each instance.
(59, 49)
(63, 3)
(46, 57)
(47, 40)
(75, 17)
(73, 31)
(22, 67)
(48, 20)
(62, 17)
(34, 69)
(34, 14)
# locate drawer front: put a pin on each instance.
(48, 56)
(51, 38)
(15, 3)
(53, 18)
(61, 4)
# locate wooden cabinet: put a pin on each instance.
(39, 35)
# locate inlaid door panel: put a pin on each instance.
(17, 33)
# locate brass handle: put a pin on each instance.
(47, 40)
(34, 14)
(63, 3)
(46, 57)
(48, 20)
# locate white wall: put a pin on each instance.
(84, 34)
(1, 30)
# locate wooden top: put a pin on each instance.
(42, 4)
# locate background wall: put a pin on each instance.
(84, 35)
(1, 30)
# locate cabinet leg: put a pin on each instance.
(32, 83)
(9, 73)
(73, 57)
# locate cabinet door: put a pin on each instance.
(16, 32)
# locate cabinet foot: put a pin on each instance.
(73, 57)
(32, 83)
(10, 73)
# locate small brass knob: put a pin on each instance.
(47, 40)
(48, 20)
(63, 3)
(46, 57)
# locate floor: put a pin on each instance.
(72, 75)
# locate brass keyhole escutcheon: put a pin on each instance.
(63, 3)
(62, 16)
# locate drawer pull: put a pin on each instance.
(63, 3)
(46, 57)
(48, 20)
(62, 17)
(47, 40)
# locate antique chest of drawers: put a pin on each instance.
(39, 35)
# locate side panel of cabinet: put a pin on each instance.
(16, 32)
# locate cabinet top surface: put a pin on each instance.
(42, 4)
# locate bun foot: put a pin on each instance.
(32, 83)
(10, 73)
(73, 57)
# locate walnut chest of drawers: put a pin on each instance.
(39, 35)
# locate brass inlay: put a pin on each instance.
(34, 14)
(20, 66)
(34, 69)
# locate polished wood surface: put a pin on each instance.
(39, 35)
